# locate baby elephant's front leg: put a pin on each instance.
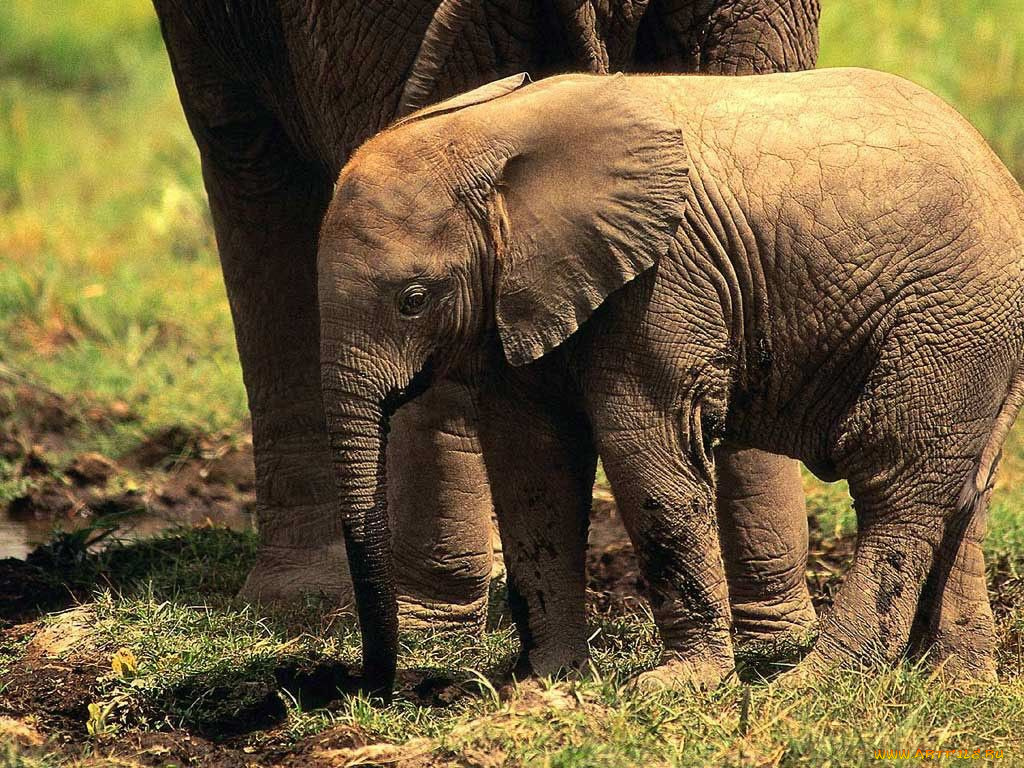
(541, 466)
(669, 511)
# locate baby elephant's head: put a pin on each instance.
(512, 211)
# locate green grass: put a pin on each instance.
(110, 291)
(109, 284)
(207, 664)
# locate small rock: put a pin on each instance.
(164, 448)
(121, 411)
(233, 468)
(20, 733)
(91, 469)
(10, 449)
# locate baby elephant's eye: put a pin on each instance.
(413, 300)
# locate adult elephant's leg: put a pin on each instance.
(759, 36)
(267, 205)
(729, 37)
(266, 233)
(440, 506)
(763, 523)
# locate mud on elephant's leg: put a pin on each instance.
(870, 621)
(907, 523)
(763, 523)
(440, 506)
(667, 506)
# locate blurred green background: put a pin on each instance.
(109, 282)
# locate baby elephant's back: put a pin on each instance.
(863, 176)
(862, 201)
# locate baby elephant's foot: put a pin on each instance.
(809, 673)
(677, 673)
(960, 662)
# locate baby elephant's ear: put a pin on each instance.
(590, 200)
(488, 92)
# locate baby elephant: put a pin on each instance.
(825, 265)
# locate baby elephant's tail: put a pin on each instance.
(980, 481)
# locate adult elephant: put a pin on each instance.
(278, 94)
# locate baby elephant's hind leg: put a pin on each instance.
(907, 451)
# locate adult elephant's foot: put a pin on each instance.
(955, 659)
(678, 673)
(292, 577)
(763, 523)
(809, 673)
(289, 576)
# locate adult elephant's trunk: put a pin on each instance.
(357, 426)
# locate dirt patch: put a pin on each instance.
(827, 563)
(176, 748)
(169, 446)
(20, 733)
(33, 416)
(339, 746)
(27, 591)
(178, 470)
(48, 500)
(318, 685)
(613, 575)
(215, 483)
(55, 678)
(175, 477)
(229, 709)
(89, 469)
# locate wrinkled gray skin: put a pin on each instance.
(278, 94)
(825, 265)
